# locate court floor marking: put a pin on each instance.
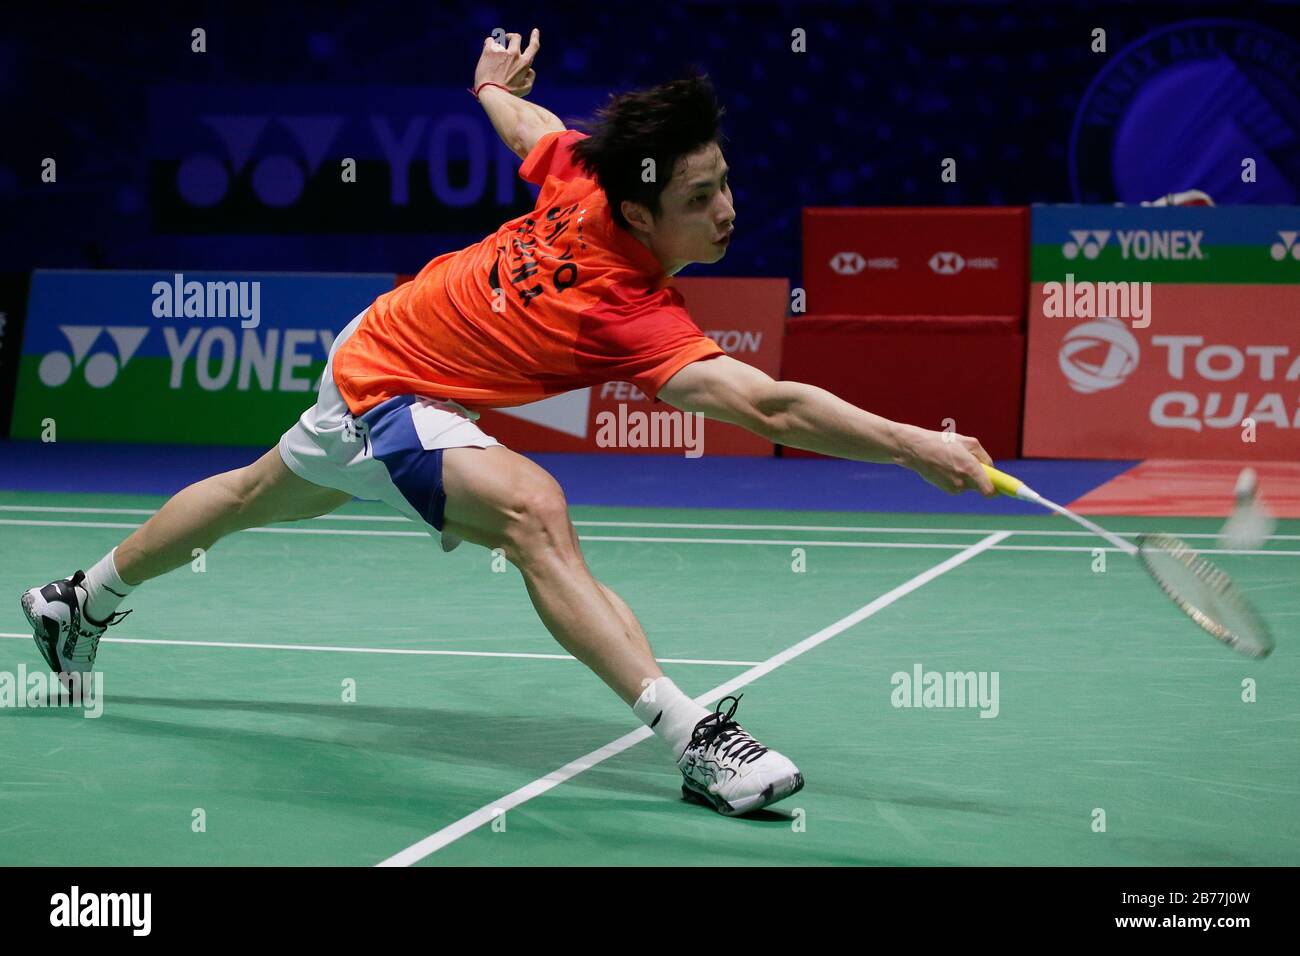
(863, 529)
(122, 524)
(682, 525)
(485, 814)
(646, 539)
(525, 655)
(796, 542)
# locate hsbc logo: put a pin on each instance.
(942, 263)
(947, 263)
(847, 263)
(951, 263)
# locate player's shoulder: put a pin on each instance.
(553, 156)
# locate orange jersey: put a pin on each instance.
(558, 299)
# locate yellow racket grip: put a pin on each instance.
(1007, 484)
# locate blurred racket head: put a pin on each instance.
(1205, 593)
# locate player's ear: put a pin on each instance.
(637, 215)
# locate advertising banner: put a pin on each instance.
(317, 159)
(1164, 332)
(226, 358)
(914, 261)
(188, 358)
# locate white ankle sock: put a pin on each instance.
(669, 713)
(105, 589)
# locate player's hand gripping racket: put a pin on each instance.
(1200, 589)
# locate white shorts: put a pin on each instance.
(392, 453)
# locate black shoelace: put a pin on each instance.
(718, 730)
(113, 618)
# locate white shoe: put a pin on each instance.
(727, 769)
(66, 638)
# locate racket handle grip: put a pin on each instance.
(1009, 485)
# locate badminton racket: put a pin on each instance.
(1197, 587)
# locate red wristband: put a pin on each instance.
(489, 83)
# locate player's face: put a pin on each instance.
(696, 211)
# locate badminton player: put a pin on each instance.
(575, 293)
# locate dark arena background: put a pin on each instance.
(1070, 231)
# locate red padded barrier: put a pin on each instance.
(900, 260)
(918, 369)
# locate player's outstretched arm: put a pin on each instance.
(520, 124)
(805, 416)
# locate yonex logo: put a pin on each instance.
(1288, 244)
(1088, 241)
(947, 263)
(847, 263)
(1175, 244)
(277, 180)
(101, 369)
(1098, 355)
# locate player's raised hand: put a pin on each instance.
(508, 65)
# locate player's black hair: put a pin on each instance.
(663, 123)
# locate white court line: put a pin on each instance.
(682, 525)
(377, 650)
(863, 529)
(75, 510)
(69, 524)
(118, 524)
(485, 814)
(68, 509)
(1047, 547)
(903, 545)
(645, 539)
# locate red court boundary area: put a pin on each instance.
(1187, 488)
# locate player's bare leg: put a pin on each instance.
(198, 516)
(69, 616)
(500, 499)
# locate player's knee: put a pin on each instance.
(539, 524)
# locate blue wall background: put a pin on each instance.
(230, 159)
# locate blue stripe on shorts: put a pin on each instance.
(415, 471)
